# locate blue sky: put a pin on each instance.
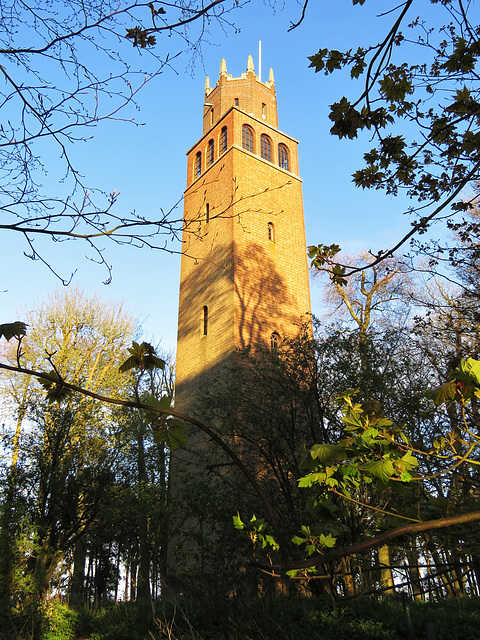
(147, 163)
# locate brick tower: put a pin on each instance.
(244, 273)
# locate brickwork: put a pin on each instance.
(244, 255)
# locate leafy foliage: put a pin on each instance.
(421, 79)
(142, 357)
(56, 390)
(13, 329)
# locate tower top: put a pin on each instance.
(250, 72)
(246, 92)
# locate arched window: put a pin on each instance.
(265, 147)
(207, 213)
(223, 140)
(274, 341)
(204, 320)
(210, 152)
(271, 232)
(235, 102)
(247, 138)
(211, 116)
(197, 171)
(283, 157)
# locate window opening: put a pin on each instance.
(210, 152)
(235, 102)
(223, 140)
(274, 341)
(247, 138)
(207, 213)
(271, 232)
(265, 147)
(283, 156)
(198, 165)
(264, 110)
(211, 116)
(205, 320)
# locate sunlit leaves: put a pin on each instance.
(375, 450)
(464, 383)
(313, 543)
(328, 453)
(258, 530)
(468, 371)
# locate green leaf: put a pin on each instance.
(270, 541)
(317, 60)
(237, 521)
(13, 329)
(327, 541)
(444, 393)
(326, 454)
(56, 390)
(173, 434)
(165, 402)
(381, 469)
(468, 371)
(409, 460)
(142, 357)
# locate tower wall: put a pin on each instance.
(247, 263)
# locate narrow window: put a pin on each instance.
(235, 102)
(271, 232)
(264, 110)
(265, 147)
(223, 140)
(274, 341)
(198, 165)
(205, 320)
(210, 152)
(283, 157)
(211, 116)
(207, 213)
(247, 138)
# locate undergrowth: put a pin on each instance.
(260, 618)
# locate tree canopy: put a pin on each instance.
(419, 99)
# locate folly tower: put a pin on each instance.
(244, 273)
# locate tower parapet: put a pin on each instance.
(247, 93)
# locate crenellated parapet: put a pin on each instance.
(247, 93)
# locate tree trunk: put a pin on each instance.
(386, 577)
(414, 572)
(143, 584)
(77, 593)
(348, 578)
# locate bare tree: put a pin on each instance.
(66, 67)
